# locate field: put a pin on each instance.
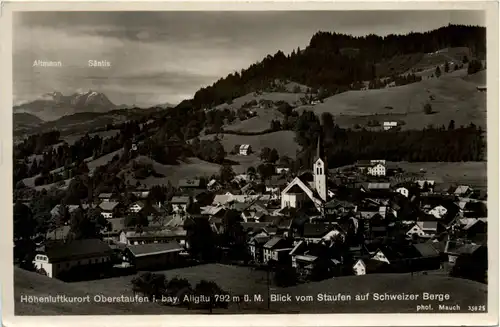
(242, 280)
(101, 161)
(454, 55)
(72, 138)
(259, 123)
(291, 98)
(190, 168)
(451, 173)
(283, 141)
(454, 97)
(244, 162)
(28, 283)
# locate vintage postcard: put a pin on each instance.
(234, 164)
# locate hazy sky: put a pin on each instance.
(159, 57)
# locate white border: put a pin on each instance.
(490, 318)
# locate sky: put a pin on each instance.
(165, 57)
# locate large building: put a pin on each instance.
(300, 192)
(65, 258)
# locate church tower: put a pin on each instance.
(320, 171)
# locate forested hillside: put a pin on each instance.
(335, 61)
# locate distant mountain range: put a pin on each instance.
(54, 105)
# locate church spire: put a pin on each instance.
(320, 153)
(320, 171)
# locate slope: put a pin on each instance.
(452, 96)
(462, 292)
(32, 284)
(189, 168)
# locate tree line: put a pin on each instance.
(324, 63)
(345, 146)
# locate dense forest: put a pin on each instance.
(325, 63)
(345, 146)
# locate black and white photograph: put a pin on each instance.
(251, 162)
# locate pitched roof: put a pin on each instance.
(211, 210)
(271, 230)
(468, 248)
(298, 246)
(428, 225)
(335, 203)
(222, 199)
(379, 186)
(117, 224)
(239, 206)
(180, 199)
(189, 183)
(212, 182)
(272, 242)
(254, 225)
(315, 230)
(59, 233)
(308, 258)
(390, 253)
(438, 245)
(472, 222)
(462, 189)
(276, 182)
(165, 233)
(426, 250)
(77, 249)
(105, 195)
(274, 220)
(260, 239)
(139, 203)
(296, 189)
(142, 250)
(374, 266)
(141, 194)
(108, 205)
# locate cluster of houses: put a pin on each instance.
(315, 222)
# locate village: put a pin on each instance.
(368, 218)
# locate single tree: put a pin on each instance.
(446, 67)
(427, 109)
(451, 125)
(273, 156)
(437, 72)
(265, 153)
(226, 173)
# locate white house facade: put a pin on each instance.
(390, 125)
(438, 211)
(380, 256)
(359, 268)
(403, 191)
(377, 169)
(135, 208)
(63, 257)
(245, 149)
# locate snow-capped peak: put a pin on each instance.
(55, 94)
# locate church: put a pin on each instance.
(301, 192)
